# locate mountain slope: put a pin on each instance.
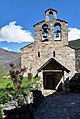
(7, 57)
(75, 44)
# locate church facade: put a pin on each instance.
(50, 56)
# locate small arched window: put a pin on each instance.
(57, 31)
(53, 53)
(38, 54)
(44, 32)
(50, 16)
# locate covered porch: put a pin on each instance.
(53, 75)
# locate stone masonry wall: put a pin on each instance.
(77, 60)
(30, 59)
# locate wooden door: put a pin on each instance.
(49, 81)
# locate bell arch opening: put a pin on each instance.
(51, 18)
(45, 32)
(57, 31)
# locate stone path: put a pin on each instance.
(59, 106)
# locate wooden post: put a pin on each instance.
(63, 86)
(30, 76)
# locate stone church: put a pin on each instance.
(50, 56)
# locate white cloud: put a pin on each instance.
(73, 34)
(15, 33)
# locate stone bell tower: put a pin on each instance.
(52, 30)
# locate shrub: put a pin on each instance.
(8, 92)
(1, 112)
(20, 100)
(16, 76)
(4, 97)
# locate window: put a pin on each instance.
(44, 32)
(57, 31)
(38, 54)
(53, 53)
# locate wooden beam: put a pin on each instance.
(52, 70)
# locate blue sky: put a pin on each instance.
(17, 18)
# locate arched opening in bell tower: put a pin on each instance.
(57, 31)
(51, 18)
(44, 32)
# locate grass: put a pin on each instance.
(3, 72)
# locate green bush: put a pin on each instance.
(7, 91)
(20, 100)
(4, 96)
(1, 112)
(6, 83)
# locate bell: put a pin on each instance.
(45, 28)
(57, 35)
(44, 36)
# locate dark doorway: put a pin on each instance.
(49, 80)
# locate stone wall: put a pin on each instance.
(77, 53)
(64, 55)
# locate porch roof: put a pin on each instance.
(52, 60)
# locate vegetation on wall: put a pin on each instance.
(8, 92)
(16, 87)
